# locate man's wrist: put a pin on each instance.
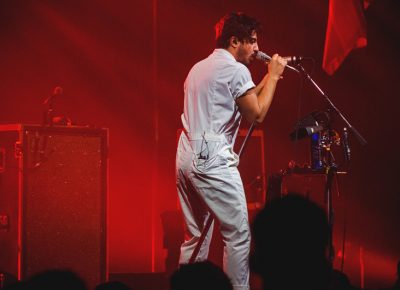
(275, 78)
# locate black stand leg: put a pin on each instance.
(329, 207)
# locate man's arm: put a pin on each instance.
(254, 104)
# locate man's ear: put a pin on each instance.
(234, 41)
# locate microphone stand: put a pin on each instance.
(331, 168)
(40, 144)
(48, 112)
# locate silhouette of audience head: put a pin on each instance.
(290, 244)
(200, 276)
(7, 280)
(398, 269)
(112, 285)
(397, 283)
(340, 281)
(56, 279)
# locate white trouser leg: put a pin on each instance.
(216, 187)
(195, 219)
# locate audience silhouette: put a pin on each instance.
(112, 285)
(200, 276)
(290, 245)
(397, 283)
(56, 279)
(340, 281)
(290, 237)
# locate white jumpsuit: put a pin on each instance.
(206, 166)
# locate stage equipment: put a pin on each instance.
(53, 200)
(322, 159)
(310, 124)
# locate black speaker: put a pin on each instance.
(53, 200)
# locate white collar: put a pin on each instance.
(225, 52)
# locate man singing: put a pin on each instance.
(218, 91)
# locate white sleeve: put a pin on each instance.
(241, 82)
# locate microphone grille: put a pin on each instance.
(262, 56)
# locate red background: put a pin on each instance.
(122, 65)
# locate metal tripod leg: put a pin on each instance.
(329, 207)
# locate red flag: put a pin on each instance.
(346, 30)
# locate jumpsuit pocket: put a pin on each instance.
(207, 165)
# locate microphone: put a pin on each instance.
(266, 58)
(57, 91)
(291, 60)
(262, 56)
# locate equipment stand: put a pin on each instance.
(331, 170)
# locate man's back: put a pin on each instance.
(211, 89)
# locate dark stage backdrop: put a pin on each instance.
(122, 65)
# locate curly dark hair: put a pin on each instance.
(235, 24)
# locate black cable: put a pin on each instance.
(344, 222)
(299, 103)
